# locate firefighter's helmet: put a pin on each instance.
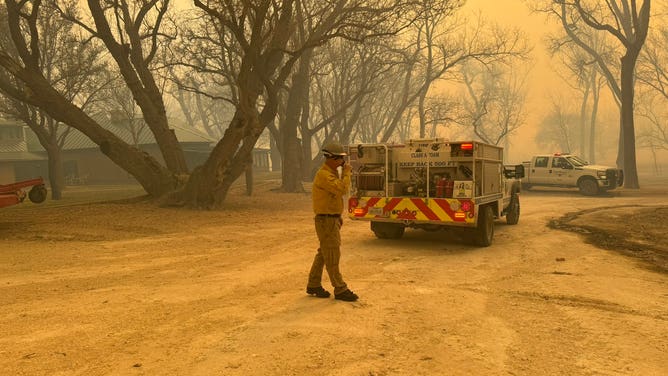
(333, 149)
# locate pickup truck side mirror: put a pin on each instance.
(513, 171)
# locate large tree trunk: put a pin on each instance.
(56, 174)
(628, 126)
(291, 147)
(620, 142)
(422, 115)
(291, 172)
(583, 120)
(133, 66)
(210, 183)
(274, 153)
(592, 121)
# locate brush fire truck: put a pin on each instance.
(433, 184)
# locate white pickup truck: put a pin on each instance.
(571, 171)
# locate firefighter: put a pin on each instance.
(328, 191)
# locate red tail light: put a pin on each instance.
(467, 146)
(353, 202)
(466, 206)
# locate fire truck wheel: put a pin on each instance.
(387, 230)
(513, 214)
(37, 194)
(588, 186)
(484, 232)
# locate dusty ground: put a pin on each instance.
(127, 288)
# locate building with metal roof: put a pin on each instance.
(23, 157)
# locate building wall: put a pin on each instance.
(26, 170)
(7, 173)
(90, 166)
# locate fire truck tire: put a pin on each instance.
(588, 186)
(387, 230)
(513, 213)
(484, 232)
(37, 194)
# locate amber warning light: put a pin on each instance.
(467, 146)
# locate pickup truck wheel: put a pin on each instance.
(37, 194)
(484, 232)
(588, 187)
(513, 213)
(387, 230)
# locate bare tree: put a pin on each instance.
(583, 75)
(263, 32)
(354, 23)
(133, 34)
(199, 110)
(653, 98)
(202, 66)
(438, 45)
(652, 108)
(38, 91)
(653, 63)
(494, 99)
(342, 74)
(628, 23)
(559, 129)
(67, 64)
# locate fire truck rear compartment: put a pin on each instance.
(432, 185)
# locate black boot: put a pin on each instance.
(319, 292)
(347, 296)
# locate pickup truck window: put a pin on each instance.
(559, 162)
(576, 161)
(541, 162)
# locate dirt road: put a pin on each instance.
(132, 289)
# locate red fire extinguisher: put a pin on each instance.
(440, 187)
(449, 187)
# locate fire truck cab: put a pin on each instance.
(433, 184)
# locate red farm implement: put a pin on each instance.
(12, 194)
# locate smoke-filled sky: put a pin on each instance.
(515, 13)
(542, 80)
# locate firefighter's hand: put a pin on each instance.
(347, 169)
